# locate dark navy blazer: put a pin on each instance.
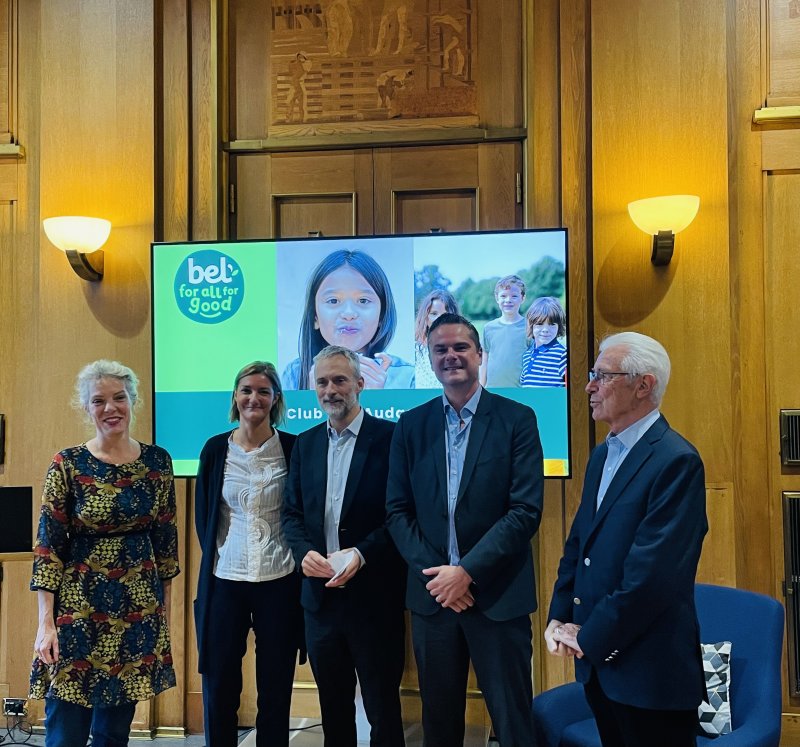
(380, 582)
(207, 498)
(498, 509)
(628, 574)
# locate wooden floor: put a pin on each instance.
(312, 737)
(306, 733)
(309, 737)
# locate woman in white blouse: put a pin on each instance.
(247, 576)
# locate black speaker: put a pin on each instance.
(16, 519)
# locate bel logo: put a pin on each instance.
(209, 287)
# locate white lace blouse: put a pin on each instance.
(250, 541)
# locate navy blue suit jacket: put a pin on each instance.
(498, 510)
(628, 574)
(362, 521)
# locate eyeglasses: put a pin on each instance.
(603, 377)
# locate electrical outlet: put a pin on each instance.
(14, 707)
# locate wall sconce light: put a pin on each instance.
(662, 218)
(80, 239)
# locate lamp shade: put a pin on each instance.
(77, 233)
(671, 213)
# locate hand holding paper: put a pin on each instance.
(345, 563)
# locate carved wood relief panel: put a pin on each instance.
(347, 65)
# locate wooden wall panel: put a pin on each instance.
(19, 378)
(6, 69)
(9, 176)
(330, 214)
(253, 217)
(781, 149)
(205, 176)
(270, 189)
(718, 559)
(174, 128)
(754, 530)
(499, 175)
(193, 707)
(86, 123)
(312, 173)
(562, 192)
(168, 714)
(410, 170)
(424, 211)
(542, 161)
(782, 277)
(669, 138)
(500, 102)
(249, 69)
(783, 52)
(191, 186)
(18, 620)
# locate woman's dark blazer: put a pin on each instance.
(207, 497)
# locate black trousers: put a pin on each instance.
(444, 644)
(352, 636)
(272, 609)
(623, 725)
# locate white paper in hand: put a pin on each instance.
(339, 561)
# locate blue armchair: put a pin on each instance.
(754, 625)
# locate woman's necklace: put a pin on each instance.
(252, 441)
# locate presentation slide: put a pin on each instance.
(219, 306)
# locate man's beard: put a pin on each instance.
(340, 408)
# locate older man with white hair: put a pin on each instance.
(623, 604)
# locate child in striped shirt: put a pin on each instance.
(544, 363)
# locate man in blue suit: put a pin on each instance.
(463, 502)
(623, 603)
(335, 502)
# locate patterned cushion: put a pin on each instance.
(715, 715)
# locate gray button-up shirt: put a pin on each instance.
(457, 428)
(340, 454)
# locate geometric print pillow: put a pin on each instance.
(715, 714)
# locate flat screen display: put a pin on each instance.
(218, 306)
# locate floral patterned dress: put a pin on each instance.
(107, 539)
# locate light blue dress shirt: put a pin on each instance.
(619, 446)
(457, 428)
(340, 454)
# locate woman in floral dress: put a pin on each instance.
(105, 552)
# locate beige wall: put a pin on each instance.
(625, 99)
(659, 126)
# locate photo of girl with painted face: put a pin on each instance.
(349, 302)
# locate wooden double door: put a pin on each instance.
(381, 191)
